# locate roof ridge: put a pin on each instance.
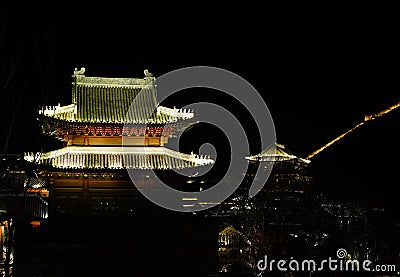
(80, 78)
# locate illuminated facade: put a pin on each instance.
(104, 134)
(277, 215)
(285, 192)
(6, 254)
(232, 248)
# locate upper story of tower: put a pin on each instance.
(113, 107)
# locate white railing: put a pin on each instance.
(180, 113)
(64, 112)
(54, 110)
(32, 156)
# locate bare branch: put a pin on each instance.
(4, 28)
(9, 132)
(50, 75)
(11, 74)
(39, 67)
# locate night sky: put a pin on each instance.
(319, 76)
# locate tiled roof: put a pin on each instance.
(275, 153)
(85, 157)
(108, 100)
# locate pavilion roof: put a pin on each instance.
(109, 100)
(276, 153)
(86, 157)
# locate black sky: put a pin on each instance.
(319, 74)
(318, 78)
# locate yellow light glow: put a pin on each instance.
(333, 141)
(366, 119)
(190, 199)
(35, 223)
